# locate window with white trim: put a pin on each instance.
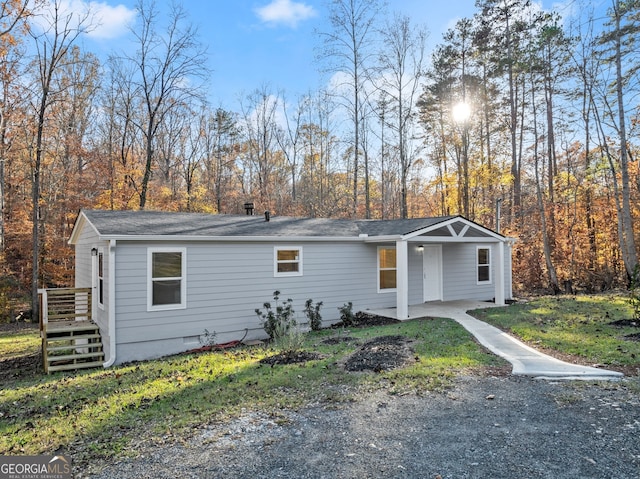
(167, 283)
(287, 261)
(387, 270)
(100, 278)
(483, 264)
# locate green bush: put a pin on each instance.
(313, 314)
(277, 320)
(288, 339)
(346, 314)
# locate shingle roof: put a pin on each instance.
(160, 223)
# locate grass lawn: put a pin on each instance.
(577, 326)
(100, 413)
(104, 413)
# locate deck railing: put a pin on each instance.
(64, 304)
(70, 339)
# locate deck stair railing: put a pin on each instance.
(70, 338)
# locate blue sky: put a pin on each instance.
(267, 42)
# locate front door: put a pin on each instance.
(432, 272)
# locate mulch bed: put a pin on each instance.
(381, 354)
(365, 320)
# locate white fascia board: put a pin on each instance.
(456, 239)
(221, 239)
(78, 226)
(459, 239)
(382, 239)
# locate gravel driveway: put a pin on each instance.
(485, 427)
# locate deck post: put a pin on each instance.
(499, 272)
(402, 280)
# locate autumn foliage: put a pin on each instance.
(549, 158)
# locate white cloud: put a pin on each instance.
(99, 19)
(112, 21)
(285, 12)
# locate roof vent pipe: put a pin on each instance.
(267, 215)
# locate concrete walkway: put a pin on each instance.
(525, 360)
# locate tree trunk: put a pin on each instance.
(628, 245)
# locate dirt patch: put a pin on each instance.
(338, 340)
(25, 365)
(632, 337)
(20, 367)
(18, 326)
(381, 354)
(290, 357)
(623, 323)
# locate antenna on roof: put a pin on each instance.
(248, 207)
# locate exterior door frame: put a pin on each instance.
(432, 256)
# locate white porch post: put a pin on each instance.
(499, 272)
(402, 279)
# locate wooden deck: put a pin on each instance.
(70, 339)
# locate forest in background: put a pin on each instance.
(516, 110)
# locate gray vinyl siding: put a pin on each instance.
(226, 282)
(459, 273)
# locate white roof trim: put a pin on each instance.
(81, 220)
(230, 239)
(456, 237)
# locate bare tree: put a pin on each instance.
(348, 51)
(619, 50)
(259, 111)
(400, 73)
(168, 64)
(289, 138)
(52, 44)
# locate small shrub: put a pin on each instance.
(208, 339)
(346, 314)
(288, 339)
(313, 314)
(277, 320)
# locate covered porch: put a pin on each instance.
(429, 243)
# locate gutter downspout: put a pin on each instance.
(112, 304)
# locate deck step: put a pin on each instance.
(72, 345)
(75, 346)
(74, 356)
(73, 338)
(72, 328)
(73, 367)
